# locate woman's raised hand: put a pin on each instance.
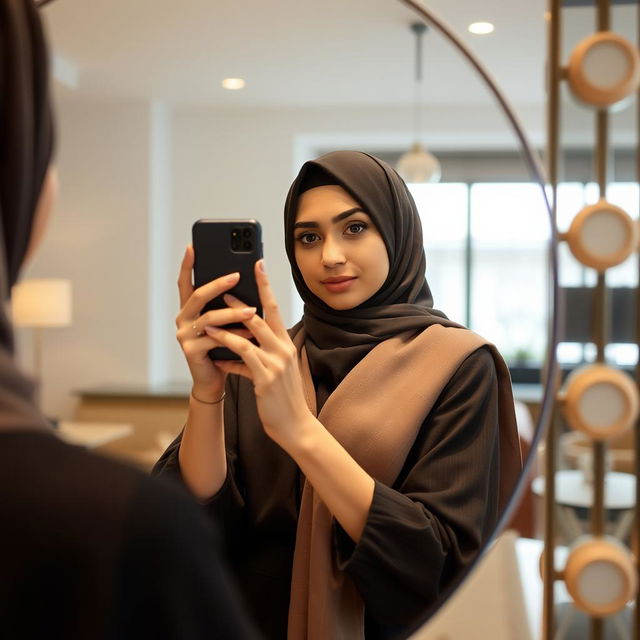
(272, 366)
(208, 380)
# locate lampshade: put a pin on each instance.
(604, 70)
(600, 575)
(418, 165)
(600, 401)
(602, 235)
(41, 303)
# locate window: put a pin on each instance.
(444, 217)
(486, 246)
(487, 262)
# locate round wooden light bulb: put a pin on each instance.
(604, 69)
(600, 575)
(600, 401)
(602, 235)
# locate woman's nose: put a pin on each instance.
(332, 254)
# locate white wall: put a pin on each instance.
(98, 238)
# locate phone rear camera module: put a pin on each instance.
(242, 239)
(236, 239)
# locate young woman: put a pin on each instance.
(358, 461)
(89, 548)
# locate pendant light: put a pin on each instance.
(418, 165)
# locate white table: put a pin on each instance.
(92, 434)
(573, 491)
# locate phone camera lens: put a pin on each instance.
(246, 233)
(247, 246)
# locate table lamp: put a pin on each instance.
(41, 304)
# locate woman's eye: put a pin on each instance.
(307, 238)
(356, 227)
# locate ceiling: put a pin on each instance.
(300, 52)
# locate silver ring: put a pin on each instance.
(199, 334)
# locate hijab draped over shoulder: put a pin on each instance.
(337, 340)
(26, 144)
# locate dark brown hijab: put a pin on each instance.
(337, 340)
(26, 144)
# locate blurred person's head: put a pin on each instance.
(27, 182)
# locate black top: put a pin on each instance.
(420, 533)
(92, 549)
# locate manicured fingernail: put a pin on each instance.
(212, 329)
(229, 299)
(233, 277)
(261, 265)
(249, 311)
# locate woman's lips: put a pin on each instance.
(336, 286)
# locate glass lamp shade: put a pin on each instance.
(602, 235)
(41, 303)
(600, 575)
(604, 70)
(600, 401)
(418, 165)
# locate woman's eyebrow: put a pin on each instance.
(340, 216)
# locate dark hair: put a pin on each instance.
(26, 131)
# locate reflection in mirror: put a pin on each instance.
(151, 142)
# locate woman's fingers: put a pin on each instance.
(185, 287)
(220, 317)
(191, 329)
(258, 327)
(250, 354)
(269, 305)
(229, 366)
(200, 296)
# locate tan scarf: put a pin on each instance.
(406, 372)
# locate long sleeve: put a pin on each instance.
(255, 509)
(227, 506)
(431, 524)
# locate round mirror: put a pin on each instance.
(173, 111)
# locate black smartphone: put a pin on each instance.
(222, 247)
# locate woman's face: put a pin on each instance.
(338, 249)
